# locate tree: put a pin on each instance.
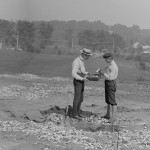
(104, 38)
(69, 36)
(118, 42)
(45, 31)
(7, 33)
(100, 39)
(97, 40)
(86, 38)
(26, 33)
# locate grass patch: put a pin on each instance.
(46, 65)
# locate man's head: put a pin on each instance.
(85, 53)
(108, 57)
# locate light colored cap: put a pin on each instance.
(86, 51)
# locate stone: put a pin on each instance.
(35, 115)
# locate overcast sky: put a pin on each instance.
(126, 12)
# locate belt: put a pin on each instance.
(109, 80)
(78, 80)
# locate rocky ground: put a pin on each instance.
(32, 115)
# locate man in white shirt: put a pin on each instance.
(110, 75)
(79, 75)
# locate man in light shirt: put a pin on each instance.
(79, 74)
(110, 75)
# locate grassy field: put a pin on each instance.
(26, 101)
(14, 62)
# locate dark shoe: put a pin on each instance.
(81, 116)
(77, 117)
(111, 120)
(106, 117)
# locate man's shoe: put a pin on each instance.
(111, 120)
(81, 116)
(77, 117)
(106, 117)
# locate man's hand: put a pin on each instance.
(98, 70)
(97, 55)
(85, 79)
(101, 72)
(88, 74)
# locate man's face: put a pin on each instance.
(85, 56)
(108, 60)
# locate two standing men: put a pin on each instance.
(79, 75)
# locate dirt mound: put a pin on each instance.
(58, 110)
(91, 122)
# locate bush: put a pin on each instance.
(59, 52)
(141, 78)
(142, 68)
(142, 65)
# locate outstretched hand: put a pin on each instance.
(97, 54)
(100, 71)
(85, 79)
(86, 76)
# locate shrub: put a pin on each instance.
(142, 65)
(59, 52)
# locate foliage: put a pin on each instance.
(69, 36)
(7, 32)
(128, 34)
(142, 68)
(45, 31)
(26, 32)
(100, 39)
(36, 36)
(142, 65)
(146, 41)
(86, 38)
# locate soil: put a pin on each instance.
(32, 115)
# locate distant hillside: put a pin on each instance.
(130, 34)
(38, 35)
(76, 26)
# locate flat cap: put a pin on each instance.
(107, 55)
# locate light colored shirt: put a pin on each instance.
(111, 71)
(78, 68)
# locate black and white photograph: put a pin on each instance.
(74, 74)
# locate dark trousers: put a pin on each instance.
(78, 96)
(110, 89)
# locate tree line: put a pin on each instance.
(26, 34)
(38, 35)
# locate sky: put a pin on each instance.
(110, 12)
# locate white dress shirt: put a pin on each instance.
(78, 68)
(111, 71)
